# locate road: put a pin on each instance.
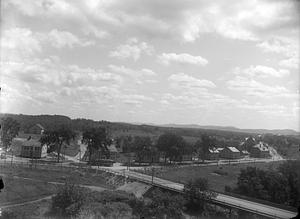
(230, 201)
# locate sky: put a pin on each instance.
(228, 63)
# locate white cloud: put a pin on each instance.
(182, 58)
(62, 39)
(182, 80)
(138, 74)
(292, 62)
(133, 49)
(254, 88)
(261, 71)
(288, 47)
(19, 42)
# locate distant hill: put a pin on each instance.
(234, 129)
(53, 121)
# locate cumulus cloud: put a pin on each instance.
(182, 58)
(131, 72)
(182, 80)
(252, 87)
(261, 71)
(133, 49)
(21, 42)
(288, 47)
(135, 99)
(232, 19)
(62, 39)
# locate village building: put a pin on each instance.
(150, 157)
(113, 152)
(230, 153)
(245, 153)
(29, 148)
(36, 129)
(260, 150)
(213, 154)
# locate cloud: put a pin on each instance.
(252, 87)
(62, 39)
(182, 58)
(288, 47)
(292, 62)
(133, 49)
(138, 74)
(135, 99)
(188, 21)
(21, 42)
(261, 71)
(182, 80)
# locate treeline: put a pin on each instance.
(116, 129)
(280, 186)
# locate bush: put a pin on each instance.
(197, 195)
(69, 199)
(221, 172)
(108, 210)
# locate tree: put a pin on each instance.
(204, 145)
(197, 194)
(56, 138)
(269, 185)
(291, 171)
(163, 205)
(171, 145)
(9, 129)
(143, 147)
(96, 139)
(69, 199)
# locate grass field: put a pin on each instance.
(48, 175)
(20, 190)
(218, 176)
(26, 184)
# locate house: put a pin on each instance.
(260, 150)
(32, 148)
(149, 157)
(36, 129)
(245, 153)
(230, 153)
(213, 154)
(113, 152)
(16, 145)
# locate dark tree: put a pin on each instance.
(204, 145)
(291, 171)
(164, 205)
(56, 138)
(96, 139)
(197, 194)
(270, 185)
(171, 145)
(9, 129)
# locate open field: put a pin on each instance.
(19, 190)
(218, 176)
(75, 176)
(37, 210)
(26, 184)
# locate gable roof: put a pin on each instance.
(32, 142)
(260, 146)
(112, 148)
(40, 126)
(233, 149)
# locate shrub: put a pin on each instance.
(69, 199)
(197, 194)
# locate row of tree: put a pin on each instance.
(281, 185)
(171, 145)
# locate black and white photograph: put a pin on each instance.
(149, 109)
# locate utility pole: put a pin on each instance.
(152, 175)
